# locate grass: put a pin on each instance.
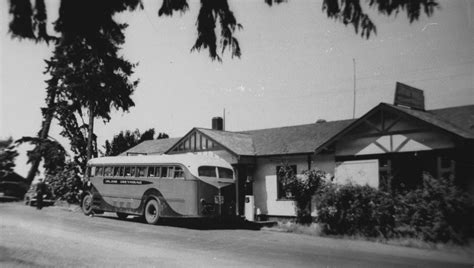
(314, 229)
(291, 227)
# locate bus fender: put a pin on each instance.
(165, 209)
(149, 194)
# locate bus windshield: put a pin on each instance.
(210, 171)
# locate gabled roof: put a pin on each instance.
(152, 146)
(238, 143)
(301, 139)
(294, 139)
(456, 120)
(12, 176)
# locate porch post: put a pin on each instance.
(237, 181)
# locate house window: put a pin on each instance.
(282, 193)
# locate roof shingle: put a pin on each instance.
(152, 146)
(457, 120)
(294, 139)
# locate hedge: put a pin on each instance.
(437, 211)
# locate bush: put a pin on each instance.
(355, 210)
(302, 188)
(66, 183)
(435, 212)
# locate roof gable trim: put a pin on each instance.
(197, 130)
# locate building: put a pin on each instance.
(12, 187)
(389, 146)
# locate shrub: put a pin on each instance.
(66, 183)
(436, 212)
(355, 210)
(302, 188)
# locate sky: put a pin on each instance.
(297, 66)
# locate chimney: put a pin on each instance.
(409, 96)
(217, 123)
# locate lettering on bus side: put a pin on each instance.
(126, 182)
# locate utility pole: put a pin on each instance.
(354, 107)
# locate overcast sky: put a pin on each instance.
(296, 68)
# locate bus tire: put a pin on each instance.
(86, 204)
(152, 211)
(122, 216)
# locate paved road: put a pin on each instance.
(59, 237)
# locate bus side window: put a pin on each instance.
(132, 171)
(121, 171)
(141, 171)
(99, 171)
(170, 172)
(151, 171)
(127, 172)
(164, 172)
(108, 171)
(117, 171)
(178, 172)
(157, 172)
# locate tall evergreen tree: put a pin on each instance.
(7, 157)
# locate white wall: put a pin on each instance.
(265, 181)
(265, 185)
(359, 172)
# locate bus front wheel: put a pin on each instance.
(87, 204)
(152, 211)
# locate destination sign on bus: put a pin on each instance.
(125, 182)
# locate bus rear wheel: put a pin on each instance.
(87, 204)
(152, 211)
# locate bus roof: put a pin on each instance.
(191, 161)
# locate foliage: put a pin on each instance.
(355, 210)
(127, 139)
(436, 212)
(302, 189)
(66, 183)
(88, 77)
(162, 135)
(7, 157)
(30, 22)
(50, 151)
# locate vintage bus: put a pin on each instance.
(155, 186)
